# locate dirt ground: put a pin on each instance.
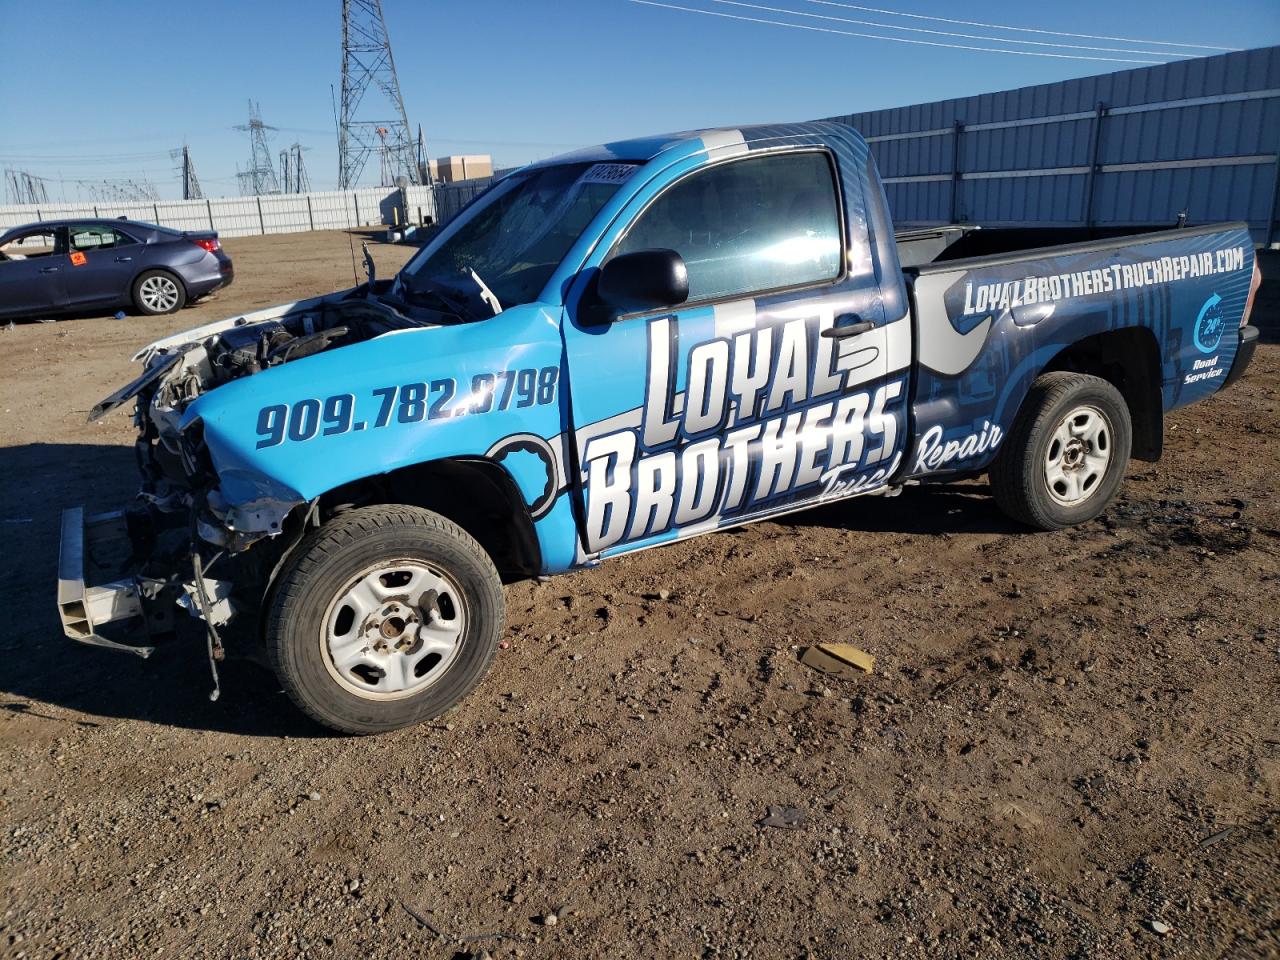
(1070, 745)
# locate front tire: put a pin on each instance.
(1064, 459)
(157, 292)
(387, 616)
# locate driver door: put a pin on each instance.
(734, 405)
(31, 272)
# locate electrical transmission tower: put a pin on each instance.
(379, 125)
(187, 170)
(121, 190)
(293, 172)
(424, 165)
(24, 187)
(260, 178)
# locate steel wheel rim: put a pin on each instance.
(159, 293)
(393, 630)
(1078, 456)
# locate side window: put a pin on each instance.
(749, 225)
(90, 236)
(33, 243)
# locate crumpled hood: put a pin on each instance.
(175, 342)
(300, 429)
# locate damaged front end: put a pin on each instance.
(197, 537)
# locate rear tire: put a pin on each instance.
(387, 616)
(157, 292)
(1064, 459)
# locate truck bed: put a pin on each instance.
(945, 243)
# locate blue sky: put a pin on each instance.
(104, 88)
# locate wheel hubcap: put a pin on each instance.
(159, 293)
(394, 630)
(1078, 456)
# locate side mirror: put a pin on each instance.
(638, 282)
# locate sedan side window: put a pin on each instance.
(94, 236)
(748, 226)
(33, 243)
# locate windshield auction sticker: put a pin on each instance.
(608, 173)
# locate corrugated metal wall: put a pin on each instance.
(1130, 148)
(243, 216)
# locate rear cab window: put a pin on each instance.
(748, 225)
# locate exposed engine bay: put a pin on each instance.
(181, 543)
(176, 471)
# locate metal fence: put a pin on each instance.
(1136, 147)
(245, 216)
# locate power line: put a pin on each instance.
(875, 36)
(951, 33)
(999, 26)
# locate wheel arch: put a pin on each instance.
(476, 493)
(1129, 359)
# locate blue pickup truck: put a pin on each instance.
(614, 350)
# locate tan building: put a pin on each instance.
(468, 167)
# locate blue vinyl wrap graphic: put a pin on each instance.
(1187, 289)
(635, 433)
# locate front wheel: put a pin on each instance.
(386, 617)
(1064, 459)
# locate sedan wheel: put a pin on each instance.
(157, 292)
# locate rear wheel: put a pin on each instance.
(387, 616)
(1064, 459)
(158, 291)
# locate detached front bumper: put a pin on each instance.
(97, 589)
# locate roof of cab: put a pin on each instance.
(644, 149)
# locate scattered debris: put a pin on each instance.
(423, 921)
(784, 818)
(1210, 840)
(313, 795)
(838, 659)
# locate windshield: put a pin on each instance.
(515, 235)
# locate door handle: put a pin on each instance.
(48, 269)
(123, 259)
(851, 328)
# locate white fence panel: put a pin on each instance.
(420, 204)
(285, 214)
(185, 214)
(245, 216)
(236, 216)
(331, 210)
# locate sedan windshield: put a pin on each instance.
(514, 237)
